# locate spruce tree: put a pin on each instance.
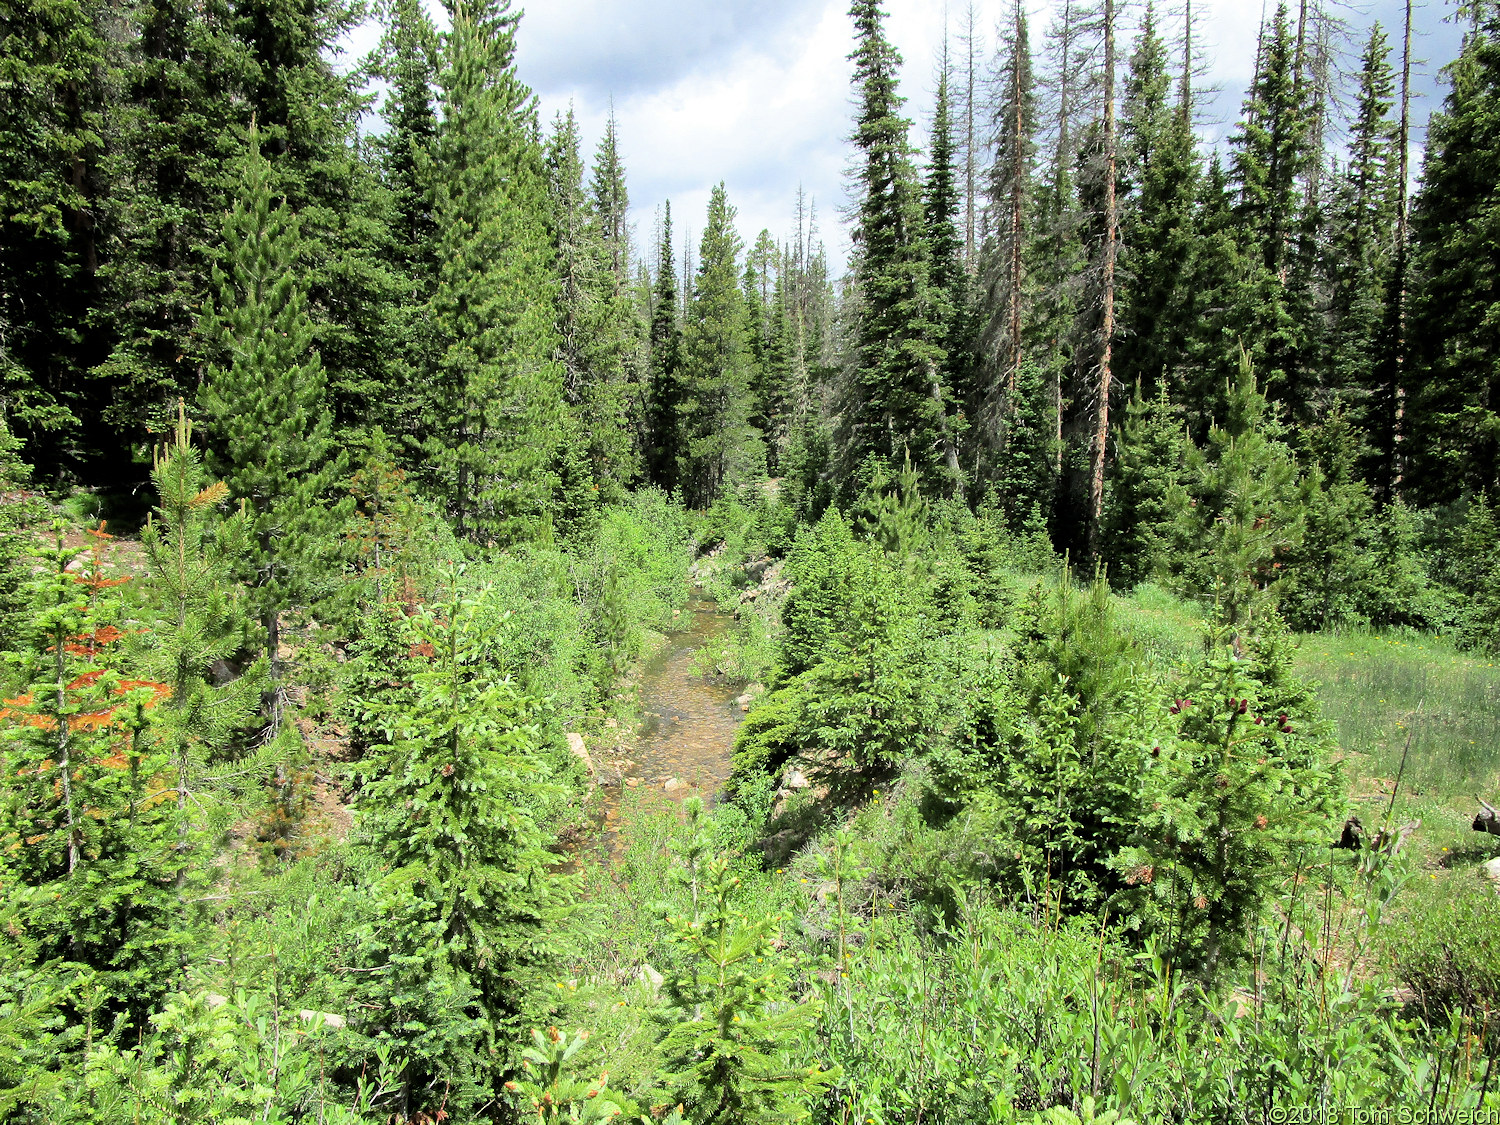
(1147, 467)
(1455, 415)
(269, 428)
(716, 363)
(1272, 154)
(1161, 170)
(451, 813)
(663, 426)
(494, 398)
(1330, 572)
(1003, 274)
(894, 401)
(1362, 227)
(88, 831)
(1025, 476)
(58, 60)
(408, 60)
(176, 129)
(611, 201)
(952, 288)
(1237, 515)
(596, 325)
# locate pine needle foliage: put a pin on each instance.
(193, 549)
(725, 1053)
(270, 432)
(88, 827)
(452, 812)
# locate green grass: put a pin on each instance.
(1373, 685)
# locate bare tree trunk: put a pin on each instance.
(971, 258)
(1398, 366)
(1107, 295)
(1017, 171)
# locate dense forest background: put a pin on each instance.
(350, 475)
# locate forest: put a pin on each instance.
(467, 659)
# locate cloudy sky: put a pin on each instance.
(757, 92)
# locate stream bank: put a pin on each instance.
(686, 738)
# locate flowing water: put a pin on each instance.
(688, 726)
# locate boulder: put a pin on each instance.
(579, 749)
(1491, 871)
(672, 784)
(632, 782)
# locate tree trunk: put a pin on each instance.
(1017, 169)
(1107, 294)
(1398, 287)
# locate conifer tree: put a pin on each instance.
(1025, 476)
(1272, 155)
(58, 62)
(494, 399)
(1362, 229)
(90, 856)
(663, 426)
(894, 401)
(1330, 572)
(1055, 254)
(1455, 418)
(596, 319)
(1216, 309)
(1100, 312)
(716, 363)
(1237, 514)
(1160, 172)
(408, 60)
(451, 812)
(612, 201)
(269, 429)
(1387, 406)
(194, 550)
(1008, 190)
(1147, 467)
(175, 129)
(952, 288)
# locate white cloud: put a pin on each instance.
(758, 94)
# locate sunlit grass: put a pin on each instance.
(1372, 686)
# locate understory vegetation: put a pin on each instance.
(1103, 672)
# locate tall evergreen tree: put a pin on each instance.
(612, 201)
(1008, 197)
(495, 395)
(1362, 226)
(1386, 410)
(952, 297)
(58, 60)
(1147, 467)
(1055, 260)
(1161, 170)
(194, 550)
(596, 323)
(1272, 156)
(716, 363)
(663, 427)
(269, 428)
(893, 403)
(1455, 415)
(408, 60)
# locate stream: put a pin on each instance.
(688, 723)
